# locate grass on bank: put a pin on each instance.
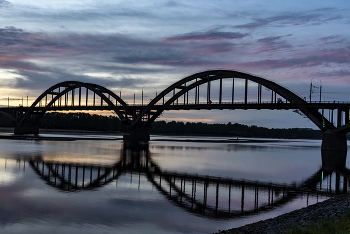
(325, 227)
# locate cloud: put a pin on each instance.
(271, 44)
(10, 63)
(332, 40)
(214, 48)
(206, 36)
(327, 38)
(344, 73)
(321, 59)
(318, 17)
(18, 43)
(76, 13)
(4, 3)
(44, 80)
(271, 39)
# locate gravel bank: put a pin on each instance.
(333, 208)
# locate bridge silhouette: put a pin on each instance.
(210, 90)
(201, 195)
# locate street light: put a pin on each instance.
(142, 96)
(320, 90)
(134, 95)
(120, 92)
(156, 91)
(27, 99)
(311, 87)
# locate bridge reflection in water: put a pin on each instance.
(206, 196)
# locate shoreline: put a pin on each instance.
(331, 209)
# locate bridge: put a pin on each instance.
(201, 195)
(210, 90)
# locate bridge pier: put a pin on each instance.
(333, 160)
(332, 141)
(334, 150)
(136, 134)
(26, 128)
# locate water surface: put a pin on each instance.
(175, 185)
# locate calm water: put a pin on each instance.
(183, 186)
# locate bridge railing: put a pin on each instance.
(236, 102)
(181, 104)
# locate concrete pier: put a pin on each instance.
(138, 134)
(332, 141)
(333, 151)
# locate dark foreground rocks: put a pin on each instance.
(331, 209)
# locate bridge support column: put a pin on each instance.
(26, 128)
(138, 134)
(333, 150)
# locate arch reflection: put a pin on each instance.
(206, 196)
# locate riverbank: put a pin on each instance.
(330, 209)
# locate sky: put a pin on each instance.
(128, 46)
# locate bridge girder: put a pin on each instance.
(71, 86)
(179, 88)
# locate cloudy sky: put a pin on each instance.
(129, 45)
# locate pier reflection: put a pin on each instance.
(202, 195)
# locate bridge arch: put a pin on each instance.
(183, 86)
(61, 89)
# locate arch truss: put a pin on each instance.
(225, 89)
(73, 95)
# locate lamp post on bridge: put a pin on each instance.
(134, 95)
(320, 90)
(27, 98)
(120, 92)
(311, 88)
(156, 91)
(142, 96)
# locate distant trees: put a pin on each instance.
(232, 130)
(86, 121)
(80, 121)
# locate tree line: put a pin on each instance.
(93, 122)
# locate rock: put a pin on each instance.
(328, 210)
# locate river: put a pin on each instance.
(65, 184)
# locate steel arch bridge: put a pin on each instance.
(215, 89)
(205, 196)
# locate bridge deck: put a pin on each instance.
(193, 106)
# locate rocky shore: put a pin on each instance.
(331, 209)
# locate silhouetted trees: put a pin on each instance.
(80, 121)
(230, 129)
(86, 121)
